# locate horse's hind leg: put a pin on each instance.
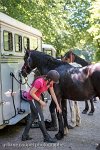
(86, 108)
(92, 107)
(64, 113)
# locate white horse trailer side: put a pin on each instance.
(14, 37)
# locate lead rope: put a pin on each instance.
(20, 111)
(13, 96)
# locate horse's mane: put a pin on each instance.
(47, 59)
(81, 60)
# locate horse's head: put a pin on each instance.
(27, 67)
(71, 57)
(68, 57)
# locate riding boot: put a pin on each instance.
(46, 136)
(25, 135)
(53, 123)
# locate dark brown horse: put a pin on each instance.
(75, 83)
(72, 57)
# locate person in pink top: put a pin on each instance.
(40, 85)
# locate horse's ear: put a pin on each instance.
(36, 48)
(26, 51)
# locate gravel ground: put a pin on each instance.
(84, 137)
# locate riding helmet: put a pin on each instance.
(53, 75)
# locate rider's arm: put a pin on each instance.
(35, 97)
(32, 93)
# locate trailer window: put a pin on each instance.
(26, 43)
(33, 43)
(49, 52)
(18, 43)
(8, 41)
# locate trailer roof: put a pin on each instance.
(15, 23)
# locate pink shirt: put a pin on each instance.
(40, 85)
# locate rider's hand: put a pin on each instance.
(43, 104)
(58, 109)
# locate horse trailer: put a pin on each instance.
(15, 36)
(49, 49)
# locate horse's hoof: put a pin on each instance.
(66, 131)
(84, 112)
(59, 136)
(90, 113)
(95, 100)
(70, 127)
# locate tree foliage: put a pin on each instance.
(95, 26)
(64, 24)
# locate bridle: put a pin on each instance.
(28, 62)
(26, 66)
(70, 56)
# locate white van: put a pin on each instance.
(14, 37)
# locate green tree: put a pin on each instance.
(47, 16)
(64, 24)
(95, 26)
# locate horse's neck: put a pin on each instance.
(43, 70)
(44, 66)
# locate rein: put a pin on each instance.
(19, 81)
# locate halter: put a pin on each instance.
(28, 64)
(72, 57)
(26, 67)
